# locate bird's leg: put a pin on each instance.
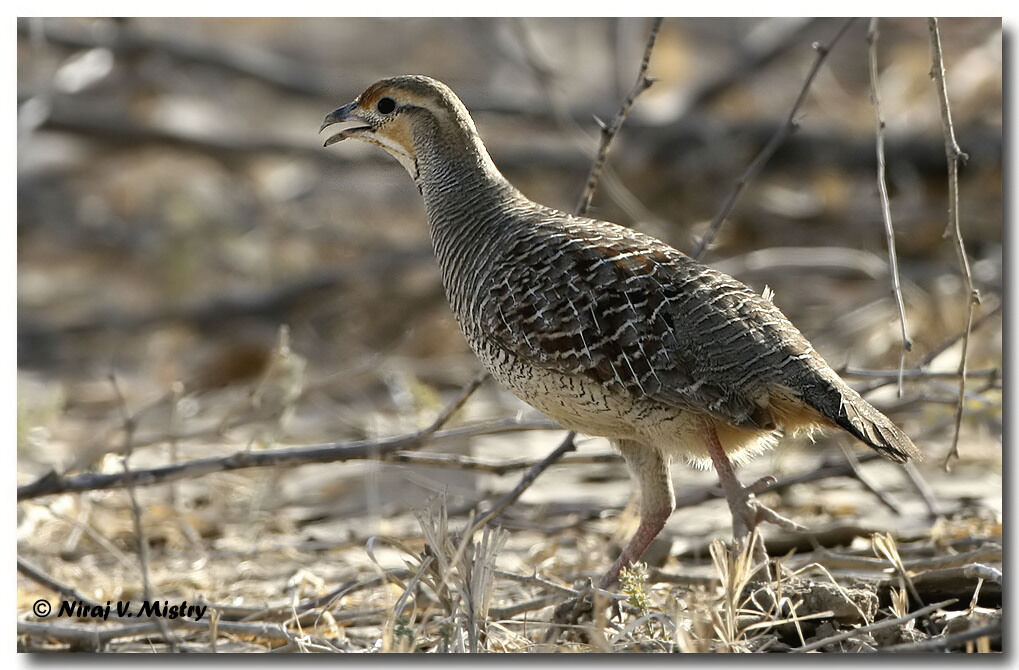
(657, 500)
(747, 512)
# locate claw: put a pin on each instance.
(762, 484)
(771, 516)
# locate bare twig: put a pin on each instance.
(69, 592)
(525, 482)
(941, 348)
(468, 463)
(992, 631)
(934, 353)
(822, 471)
(535, 580)
(767, 41)
(866, 481)
(923, 489)
(917, 373)
(882, 187)
(953, 155)
(609, 132)
(885, 623)
(99, 637)
(988, 552)
(53, 483)
(776, 140)
(136, 511)
(544, 75)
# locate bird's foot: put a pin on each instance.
(748, 513)
(578, 610)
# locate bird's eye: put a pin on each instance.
(386, 105)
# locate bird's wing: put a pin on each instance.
(640, 317)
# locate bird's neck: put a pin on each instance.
(462, 188)
(469, 205)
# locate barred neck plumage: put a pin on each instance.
(469, 205)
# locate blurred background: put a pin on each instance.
(190, 258)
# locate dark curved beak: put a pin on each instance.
(338, 116)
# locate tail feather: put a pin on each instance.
(842, 405)
(875, 429)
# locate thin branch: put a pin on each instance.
(766, 42)
(917, 373)
(866, 481)
(934, 353)
(941, 348)
(882, 187)
(922, 488)
(69, 592)
(494, 467)
(886, 623)
(992, 631)
(609, 132)
(953, 155)
(525, 482)
(776, 140)
(822, 471)
(544, 75)
(136, 512)
(53, 483)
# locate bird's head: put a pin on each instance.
(412, 117)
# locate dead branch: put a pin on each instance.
(608, 133)
(762, 158)
(882, 186)
(772, 38)
(468, 463)
(957, 582)
(525, 482)
(97, 639)
(825, 470)
(866, 481)
(53, 483)
(136, 512)
(944, 346)
(544, 75)
(992, 631)
(69, 592)
(989, 551)
(270, 68)
(917, 373)
(953, 155)
(886, 623)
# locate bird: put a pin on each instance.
(606, 330)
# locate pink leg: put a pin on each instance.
(651, 469)
(747, 513)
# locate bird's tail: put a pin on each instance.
(872, 427)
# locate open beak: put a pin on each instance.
(338, 116)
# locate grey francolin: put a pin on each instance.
(608, 331)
